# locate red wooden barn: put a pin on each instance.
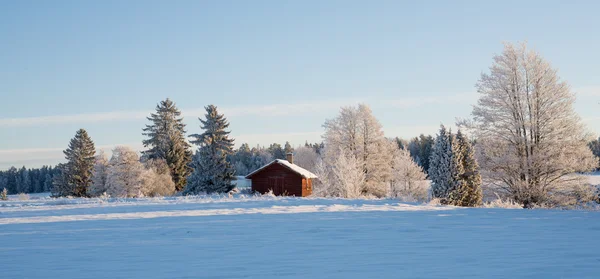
(283, 178)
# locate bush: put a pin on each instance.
(3, 195)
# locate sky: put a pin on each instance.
(276, 69)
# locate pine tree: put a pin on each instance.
(440, 165)
(212, 172)
(76, 175)
(469, 193)
(166, 139)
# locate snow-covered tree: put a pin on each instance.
(166, 140)
(212, 172)
(124, 173)
(357, 132)
(77, 172)
(408, 179)
(440, 165)
(530, 138)
(127, 177)
(99, 175)
(306, 158)
(342, 177)
(468, 191)
(3, 194)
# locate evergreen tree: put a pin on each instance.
(212, 173)
(453, 195)
(469, 193)
(276, 151)
(440, 165)
(76, 175)
(166, 140)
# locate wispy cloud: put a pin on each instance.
(587, 91)
(281, 109)
(74, 118)
(35, 157)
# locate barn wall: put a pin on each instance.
(307, 189)
(292, 180)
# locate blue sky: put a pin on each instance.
(277, 69)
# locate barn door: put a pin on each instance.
(277, 185)
(273, 184)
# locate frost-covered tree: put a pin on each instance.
(342, 177)
(530, 138)
(166, 140)
(3, 194)
(440, 165)
(306, 158)
(212, 172)
(99, 175)
(357, 132)
(124, 173)
(127, 177)
(408, 179)
(77, 172)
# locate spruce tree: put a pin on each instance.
(456, 171)
(469, 192)
(75, 176)
(166, 140)
(212, 173)
(440, 165)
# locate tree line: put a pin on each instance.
(524, 140)
(23, 180)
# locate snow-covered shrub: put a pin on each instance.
(502, 203)
(23, 197)
(3, 194)
(155, 184)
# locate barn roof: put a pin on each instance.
(295, 168)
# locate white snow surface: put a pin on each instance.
(276, 237)
(299, 170)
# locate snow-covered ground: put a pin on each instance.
(268, 237)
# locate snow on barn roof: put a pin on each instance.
(295, 168)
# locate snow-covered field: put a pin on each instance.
(268, 237)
